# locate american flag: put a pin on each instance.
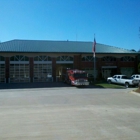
(94, 47)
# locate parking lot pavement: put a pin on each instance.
(69, 114)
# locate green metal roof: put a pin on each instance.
(57, 47)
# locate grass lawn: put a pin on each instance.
(137, 90)
(106, 85)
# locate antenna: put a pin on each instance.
(139, 32)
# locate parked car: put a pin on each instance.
(123, 80)
(136, 78)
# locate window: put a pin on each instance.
(42, 68)
(87, 58)
(19, 58)
(2, 58)
(42, 58)
(124, 77)
(2, 73)
(42, 72)
(108, 59)
(64, 58)
(127, 59)
(2, 69)
(19, 73)
(19, 69)
(114, 76)
(80, 75)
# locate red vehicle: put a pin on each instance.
(76, 77)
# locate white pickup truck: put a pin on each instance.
(123, 80)
(136, 77)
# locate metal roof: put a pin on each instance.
(57, 47)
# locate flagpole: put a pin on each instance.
(94, 69)
(94, 60)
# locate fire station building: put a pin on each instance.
(44, 61)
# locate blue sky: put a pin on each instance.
(114, 22)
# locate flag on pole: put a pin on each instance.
(94, 47)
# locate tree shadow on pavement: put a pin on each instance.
(45, 85)
(32, 85)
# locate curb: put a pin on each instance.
(133, 92)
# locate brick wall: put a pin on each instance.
(77, 62)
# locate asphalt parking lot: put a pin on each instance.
(61, 112)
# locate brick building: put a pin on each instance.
(42, 61)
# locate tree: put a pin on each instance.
(133, 50)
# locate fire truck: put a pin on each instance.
(75, 77)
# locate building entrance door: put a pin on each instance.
(108, 72)
(60, 69)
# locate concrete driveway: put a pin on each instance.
(69, 113)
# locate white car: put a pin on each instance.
(136, 76)
(123, 80)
